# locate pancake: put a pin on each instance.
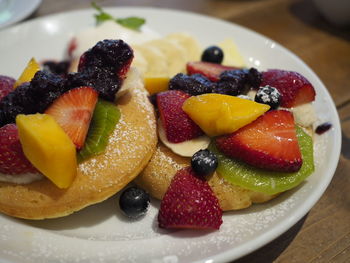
(164, 164)
(129, 149)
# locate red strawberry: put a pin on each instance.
(211, 70)
(269, 142)
(177, 124)
(12, 158)
(6, 85)
(294, 88)
(73, 111)
(189, 203)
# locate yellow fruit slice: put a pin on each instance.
(28, 73)
(48, 148)
(232, 56)
(219, 114)
(156, 84)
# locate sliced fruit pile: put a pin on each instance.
(255, 144)
(46, 119)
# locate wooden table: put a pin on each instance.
(324, 234)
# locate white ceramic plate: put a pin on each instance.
(99, 233)
(13, 11)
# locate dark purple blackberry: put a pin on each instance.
(268, 95)
(60, 68)
(104, 67)
(31, 97)
(254, 78)
(231, 82)
(195, 84)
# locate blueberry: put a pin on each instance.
(213, 54)
(268, 95)
(134, 202)
(204, 162)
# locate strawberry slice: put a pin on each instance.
(12, 158)
(6, 85)
(177, 124)
(211, 70)
(269, 142)
(73, 111)
(294, 88)
(189, 203)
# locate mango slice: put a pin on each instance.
(28, 73)
(218, 114)
(48, 148)
(155, 84)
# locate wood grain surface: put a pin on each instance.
(323, 235)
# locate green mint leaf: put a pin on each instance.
(132, 22)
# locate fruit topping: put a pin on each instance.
(204, 162)
(195, 84)
(103, 67)
(104, 119)
(134, 202)
(48, 148)
(156, 84)
(322, 128)
(269, 142)
(255, 179)
(12, 158)
(232, 55)
(6, 85)
(60, 68)
(186, 148)
(28, 73)
(189, 203)
(32, 97)
(73, 111)
(210, 70)
(268, 95)
(294, 88)
(213, 54)
(177, 125)
(219, 114)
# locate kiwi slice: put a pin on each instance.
(104, 119)
(268, 182)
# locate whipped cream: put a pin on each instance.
(111, 30)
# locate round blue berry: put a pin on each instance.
(134, 202)
(204, 162)
(213, 54)
(268, 95)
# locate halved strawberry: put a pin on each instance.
(269, 142)
(6, 85)
(294, 88)
(211, 70)
(73, 111)
(177, 124)
(12, 158)
(189, 203)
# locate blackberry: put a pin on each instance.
(231, 82)
(31, 97)
(254, 78)
(195, 84)
(213, 54)
(103, 67)
(268, 95)
(134, 202)
(204, 162)
(60, 68)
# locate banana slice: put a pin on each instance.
(140, 62)
(156, 60)
(175, 55)
(189, 43)
(232, 57)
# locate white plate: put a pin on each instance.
(13, 11)
(99, 233)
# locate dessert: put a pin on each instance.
(73, 138)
